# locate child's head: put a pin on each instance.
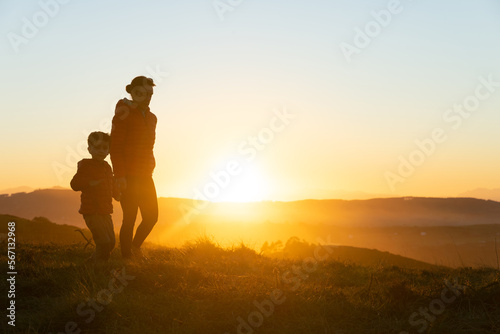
(98, 145)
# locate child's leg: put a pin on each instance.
(99, 226)
(89, 221)
(110, 233)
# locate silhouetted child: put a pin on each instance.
(94, 179)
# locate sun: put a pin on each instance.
(249, 186)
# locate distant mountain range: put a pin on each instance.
(316, 193)
(61, 206)
(25, 189)
(16, 190)
(483, 193)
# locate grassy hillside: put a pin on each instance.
(297, 249)
(202, 288)
(41, 231)
(455, 246)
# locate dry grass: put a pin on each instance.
(203, 288)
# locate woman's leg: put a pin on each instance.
(148, 204)
(130, 205)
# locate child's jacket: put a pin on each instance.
(95, 199)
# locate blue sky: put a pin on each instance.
(225, 77)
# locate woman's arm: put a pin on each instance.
(118, 139)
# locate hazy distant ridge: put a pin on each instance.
(483, 193)
(61, 206)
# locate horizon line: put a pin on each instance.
(406, 197)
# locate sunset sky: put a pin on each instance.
(361, 82)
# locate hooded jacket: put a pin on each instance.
(95, 199)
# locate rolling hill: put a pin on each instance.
(40, 230)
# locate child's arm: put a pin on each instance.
(81, 180)
(115, 189)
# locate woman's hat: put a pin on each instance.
(139, 81)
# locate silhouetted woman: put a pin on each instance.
(132, 140)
